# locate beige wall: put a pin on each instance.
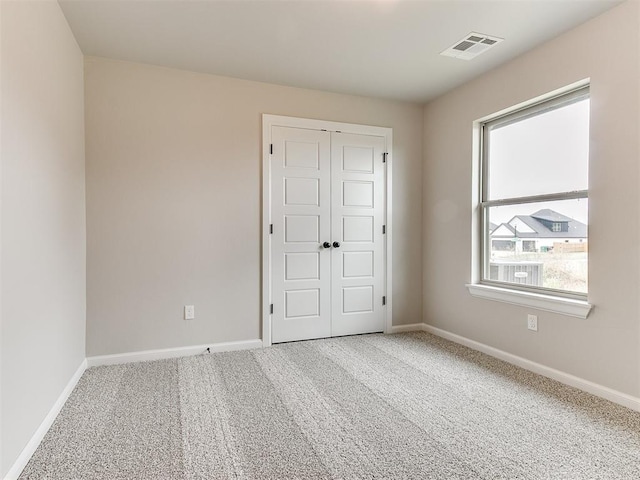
(174, 201)
(605, 347)
(42, 217)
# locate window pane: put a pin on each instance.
(546, 153)
(541, 244)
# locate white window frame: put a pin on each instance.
(558, 301)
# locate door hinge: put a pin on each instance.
(271, 149)
(384, 157)
(271, 228)
(271, 308)
(384, 229)
(384, 300)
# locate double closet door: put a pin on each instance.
(327, 244)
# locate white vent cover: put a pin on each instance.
(471, 46)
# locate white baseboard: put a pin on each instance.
(24, 457)
(164, 353)
(607, 393)
(413, 327)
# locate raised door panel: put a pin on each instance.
(357, 229)
(301, 154)
(301, 191)
(302, 303)
(357, 264)
(357, 194)
(302, 229)
(357, 299)
(357, 159)
(302, 266)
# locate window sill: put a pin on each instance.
(564, 306)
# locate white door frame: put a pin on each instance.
(269, 121)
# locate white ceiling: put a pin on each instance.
(379, 48)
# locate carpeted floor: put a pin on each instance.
(372, 406)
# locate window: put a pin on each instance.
(534, 197)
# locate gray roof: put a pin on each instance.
(551, 216)
(576, 229)
(508, 227)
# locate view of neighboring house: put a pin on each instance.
(542, 231)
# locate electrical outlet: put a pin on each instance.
(189, 312)
(532, 322)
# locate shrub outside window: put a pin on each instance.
(534, 197)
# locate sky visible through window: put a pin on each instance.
(547, 153)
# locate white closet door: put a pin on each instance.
(301, 216)
(358, 216)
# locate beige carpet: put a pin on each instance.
(373, 406)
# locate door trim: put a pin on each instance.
(269, 121)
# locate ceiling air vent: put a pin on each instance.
(471, 46)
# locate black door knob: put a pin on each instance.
(326, 245)
(336, 244)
